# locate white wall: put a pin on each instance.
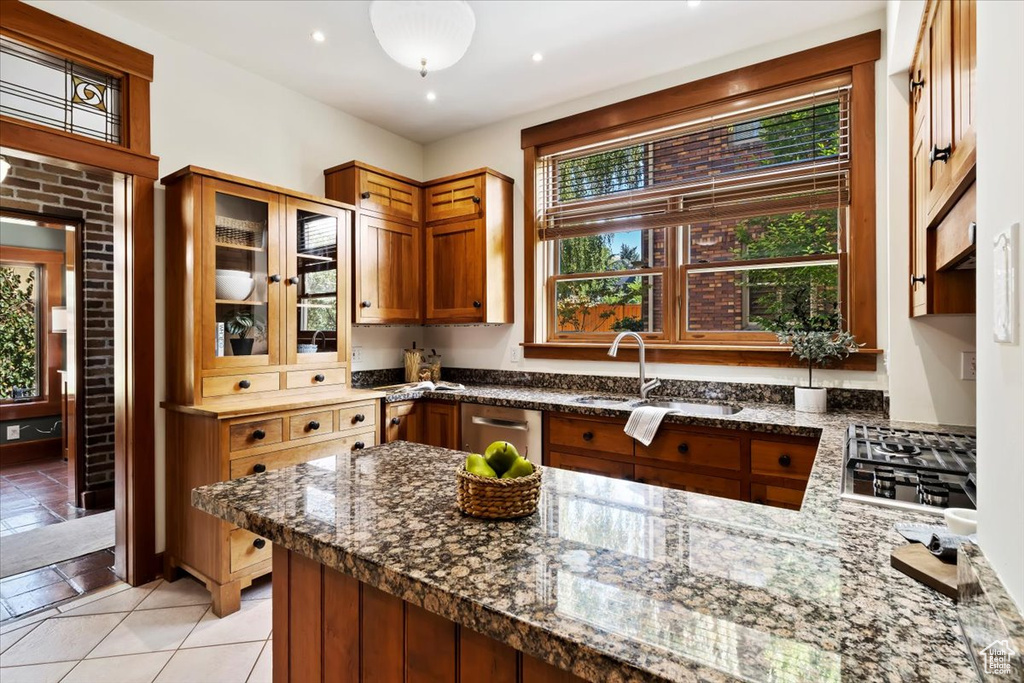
(999, 106)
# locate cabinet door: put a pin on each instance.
(389, 196)
(919, 178)
(388, 286)
(940, 44)
(242, 276)
(440, 424)
(455, 272)
(455, 199)
(776, 496)
(315, 292)
(964, 63)
(590, 465)
(402, 422)
(688, 481)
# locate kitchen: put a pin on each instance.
(733, 545)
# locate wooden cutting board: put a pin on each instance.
(917, 562)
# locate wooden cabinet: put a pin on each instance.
(943, 154)
(402, 421)
(375, 190)
(591, 464)
(689, 481)
(461, 198)
(435, 423)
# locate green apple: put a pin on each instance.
(475, 464)
(500, 455)
(520, 468)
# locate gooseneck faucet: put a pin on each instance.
(645, 386)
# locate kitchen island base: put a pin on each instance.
(329, 626)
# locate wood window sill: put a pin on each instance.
(697, 354)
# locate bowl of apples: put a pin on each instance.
(498, 484)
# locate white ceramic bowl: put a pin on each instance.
(234, 284)
(961, 520)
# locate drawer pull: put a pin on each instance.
(275, 278)
(358, 446)
(940, 154)
(683, 447)
(318, 378)
(313, 425)
(259, 544)
(785, 460)
(294, 279)
(476, 199)
(359, 417)
(259, 435)
(588, 436)
(259, 468)
(477, 304)
(364, 195)
(396, 421)
(914, 279)
(365, 304)
(244, 384)
(914, 85)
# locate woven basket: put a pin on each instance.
(240, 232)
(492, 498)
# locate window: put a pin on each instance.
(701, 227)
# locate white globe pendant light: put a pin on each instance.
(425, 35)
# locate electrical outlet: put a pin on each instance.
(515, 354)
(969, 366)
(13, 432)
(357, 354)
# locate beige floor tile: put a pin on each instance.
(184, 591)
(15, 624)
(36, 673)
(220, 664)
(260, 589)
(148, 631)
(57, 640)
(121, 601)
(141, 668)
(98, 594)
(10, 638)
(263, 671)
(252, 622)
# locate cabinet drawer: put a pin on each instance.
(687, 481)
(590, 435)
(781, 459)
(244, 550)
(308, 379)
(693, 448)
(247, 435)
(590, 465)
(241, 385)
(254, 464)
(776, 496)
(462, 198)
(388, 196)
(306, 425)
(359, 416)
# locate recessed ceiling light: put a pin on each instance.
(538, 57)
(431, 96)
(692, 3)
(318, 36)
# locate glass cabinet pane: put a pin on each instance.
(316, 294)
(241, 276)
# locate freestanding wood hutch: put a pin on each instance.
(258, 322)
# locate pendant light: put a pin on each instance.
(425, 35)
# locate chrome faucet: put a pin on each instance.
(645, 386)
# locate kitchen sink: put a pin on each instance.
(695, 408)
(601, 401)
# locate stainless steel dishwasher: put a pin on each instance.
(483, 425)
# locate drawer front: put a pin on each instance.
(461, 199)
(590, 465)
(244, 550)
(780, 459)
(360, 416)
(247, 435)
(241, 385)
(254, 464)
(305, 425)
(692, 448)
(776, 496)
(688, 481)
(310, 379)
(388, 196)
(587, 434)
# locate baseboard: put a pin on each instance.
(27, 451)
(98, 498)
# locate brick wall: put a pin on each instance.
(85, 196)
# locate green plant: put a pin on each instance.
(18, 352)
(817, 338)
(241, 321)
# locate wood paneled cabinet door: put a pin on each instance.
(919, 179)
(963, 63)
(388, 196)
(402, 422)
(440, 424)
(460, 199)
(939, 41)
(455, 272)
(388, 287)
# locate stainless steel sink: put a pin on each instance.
(695, 408)
(601, 401)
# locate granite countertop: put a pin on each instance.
(619, 580)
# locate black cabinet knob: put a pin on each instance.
(294, 279)
(259, 544)
(244, 384)
(313, 425)
(785, 460)
(940, 153)
(396, 420)
(914, 85)
(318, 378)
(683, 447)
(358, 446)
(477, 304)
(914, 279)
(259, 434)
(476, 199)
(259, 467)
(365, 304)
(275, 278)
(364, 195)
(359, 417)
(588, 436)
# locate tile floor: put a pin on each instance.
(161, 632)
(24, 593)
(35, 494)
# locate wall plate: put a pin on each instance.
(1006, 288)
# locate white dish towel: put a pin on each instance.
(643, 423)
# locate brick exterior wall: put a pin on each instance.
(85, 196)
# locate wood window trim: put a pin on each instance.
(855, 56)
(52, 356)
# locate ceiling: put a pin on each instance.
(588, 47)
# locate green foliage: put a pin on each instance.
(19, 365)
(576, 298)
(601, 174)
(241, 321)
(801, 135)
(323, 312)
(818, 347)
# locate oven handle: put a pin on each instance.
(506, 424)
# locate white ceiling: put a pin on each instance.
(587, 46)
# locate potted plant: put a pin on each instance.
(239, 323)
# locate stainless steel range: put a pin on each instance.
(907, 468)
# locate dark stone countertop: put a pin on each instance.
(619, 580)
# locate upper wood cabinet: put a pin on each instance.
(375, 190)
(242, 253)
(461, 198)
(942, 122)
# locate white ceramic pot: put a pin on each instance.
(811, 400)
(961, 520)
